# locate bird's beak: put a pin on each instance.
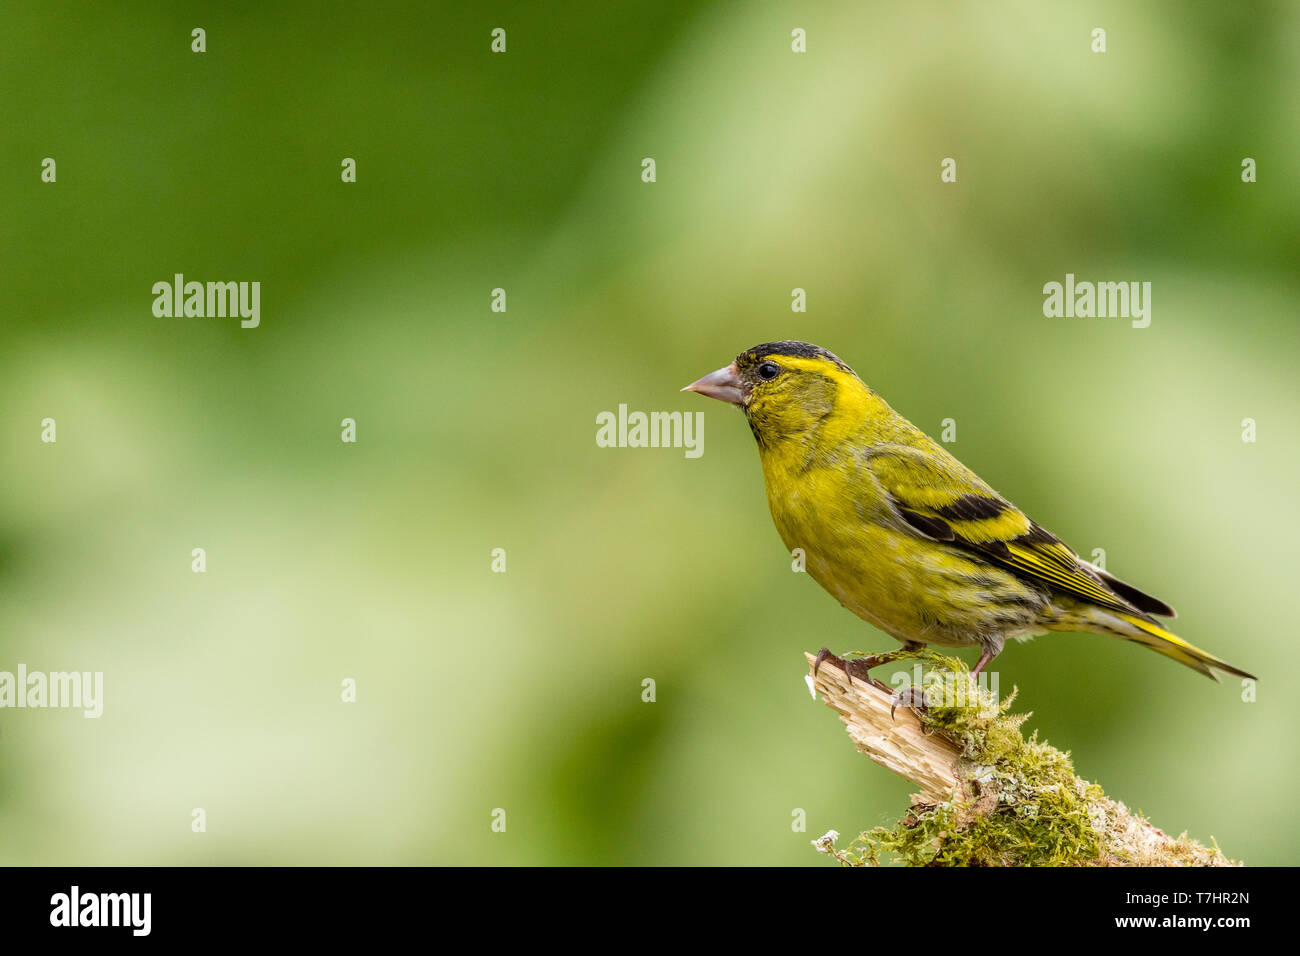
(724, 385)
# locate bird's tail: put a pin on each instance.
(1148, 633)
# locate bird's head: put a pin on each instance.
(785, 389)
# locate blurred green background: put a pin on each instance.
(476, 430)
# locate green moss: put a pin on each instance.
(1023, 803)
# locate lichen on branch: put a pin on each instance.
(988, 796)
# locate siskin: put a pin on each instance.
(907, 537)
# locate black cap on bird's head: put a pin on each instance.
(792, 349)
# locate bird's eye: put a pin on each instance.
(767, 371)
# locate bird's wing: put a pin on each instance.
(941, 498)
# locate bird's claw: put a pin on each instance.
(913, 697)
(862, 664)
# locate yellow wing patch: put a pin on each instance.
(944, 499)
(1044, 561)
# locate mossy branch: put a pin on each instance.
(987, 795)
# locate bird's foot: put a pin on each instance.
(859, 667)
(911, 697)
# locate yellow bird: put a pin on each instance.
(907, 537)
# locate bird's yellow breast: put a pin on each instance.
(854, 547)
